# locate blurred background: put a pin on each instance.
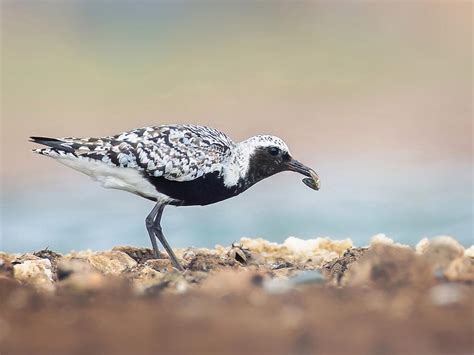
(377, 97)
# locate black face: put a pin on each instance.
(267, 161)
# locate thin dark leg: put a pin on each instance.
(149, 222)
(159, 234)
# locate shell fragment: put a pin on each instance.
(312, 182)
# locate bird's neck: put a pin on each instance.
(237, 172)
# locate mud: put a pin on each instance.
(254, 297)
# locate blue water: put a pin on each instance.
(73, 213)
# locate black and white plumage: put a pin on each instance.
(175, 165)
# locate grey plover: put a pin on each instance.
(180, 165)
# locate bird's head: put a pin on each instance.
(267, 155)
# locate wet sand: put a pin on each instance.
(301, 297)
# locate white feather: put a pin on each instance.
(127, 179)
(238, 164)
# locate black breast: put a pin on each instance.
(205, 190)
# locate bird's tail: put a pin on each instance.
(53, 143)
(57, 148)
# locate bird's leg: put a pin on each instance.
(159, 234)
(149, 222)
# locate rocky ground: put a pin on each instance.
(255, 297)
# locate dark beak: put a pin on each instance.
(313, 179)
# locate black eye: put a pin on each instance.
(274, 151)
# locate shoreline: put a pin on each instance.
(301, 296)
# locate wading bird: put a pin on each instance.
(180, 165)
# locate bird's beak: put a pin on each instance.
(313, 179)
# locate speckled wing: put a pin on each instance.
(175, 152)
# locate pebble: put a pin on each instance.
(390, 267)
(383, 239)
(30, 269)
(278, 267)
(441, 251)
(108, 262)
(460, 269)
(469, 252)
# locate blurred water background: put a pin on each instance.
(377, 97)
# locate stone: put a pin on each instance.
(383, 239)
(469, 252)
(52, 256)
(296, 250)
(6, 260)
(460, 269)
(32, 270)
(108, 262)
(263, 247)
(325, 248)
(68, 266)
(422, 245)
(145, 278)
(160, 265)
(441, 251)
(189, 254)
(389, 267)
(78, 275)
(140, 255)
(335, 269)
(211, 261)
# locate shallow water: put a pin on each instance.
(406, 206)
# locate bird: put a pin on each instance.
(175, 165)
